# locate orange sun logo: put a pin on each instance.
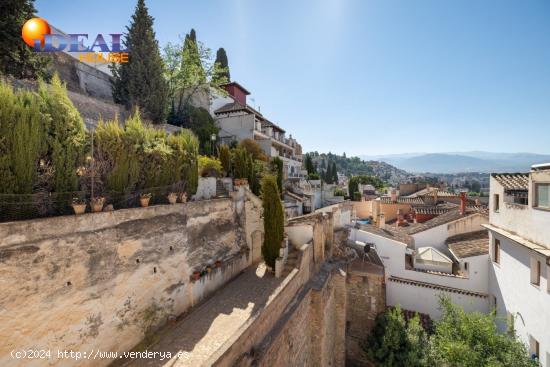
(35, 29)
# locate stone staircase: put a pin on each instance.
(291, 261)
(221, 192)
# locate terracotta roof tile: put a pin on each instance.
(469, 244)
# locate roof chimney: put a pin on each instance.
(462, 203)
(238, 92)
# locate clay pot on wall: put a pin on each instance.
(218, 263)
(172, 198)
(97, 204)
(79, 208)
(183, 197)
(144, 200)
(196, 275)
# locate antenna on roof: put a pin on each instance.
(253, 102)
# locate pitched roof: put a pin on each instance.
(444, 218)
(512, 181)
(402, 200)
(432, 210)
(232, 107)
(390, 232)
(429, 191)
(436, 286)
(469, 244)
(431, 254)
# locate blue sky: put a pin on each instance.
(369, 76)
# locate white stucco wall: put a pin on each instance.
(206, 188)
(392, 254)
(510, 283)
(524, 220)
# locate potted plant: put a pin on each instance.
(79, 205)
(237, 182)
(144, 199)
(218, 263)
(172, 198)
(183, 197)
(97, 204)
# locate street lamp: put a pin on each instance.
(213, 142)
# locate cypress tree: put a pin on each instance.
(277, 168)
(224, 155)
(273, 220)
(328, 173)
(334, 173)
(309, 164)
(66, 134)
(140, 82)
(16, 57)
(222, 62)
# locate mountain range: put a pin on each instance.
(457, 162)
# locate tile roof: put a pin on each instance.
(390, 232)
(469, 244)
(429, 191)
(432, 210)
(232, 107)
(444, 218)
(436, 286)
(512, 181)
(402, 200)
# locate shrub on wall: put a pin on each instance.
(240, 163)
(66, 134)
(224, 155)
(22, 128)
(273, 220)
(209, 167)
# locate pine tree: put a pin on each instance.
(16, 57)
(273, 220)
(140, 82)
(222, 62)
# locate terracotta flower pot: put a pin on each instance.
(144, 201)
(208, 269)
(79, 208)
(183, 197)
(172, 198)
(97, 204)
(218, 264)
(196, 275)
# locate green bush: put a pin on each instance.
(273, 220)
(240, 163)
(22, 128)
(66, 134)
(224, 155)
(209, 167)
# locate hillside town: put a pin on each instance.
(152, 215)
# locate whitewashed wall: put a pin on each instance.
(510, 283)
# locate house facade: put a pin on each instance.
(519, 242)
(238, 121)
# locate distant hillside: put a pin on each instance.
(356, 166)
(465, 162)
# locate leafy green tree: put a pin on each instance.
(140, 82)
(353, 184)
(471, 339)
(203, 125)
(277, 169)
(16, 57)
(273, 220)
(392, 344)
(66, 137)
(222, 71)
(224, 155)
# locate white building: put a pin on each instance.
(519, 238)
(425, 260)
(238, 121)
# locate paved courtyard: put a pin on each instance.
(205, 329)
